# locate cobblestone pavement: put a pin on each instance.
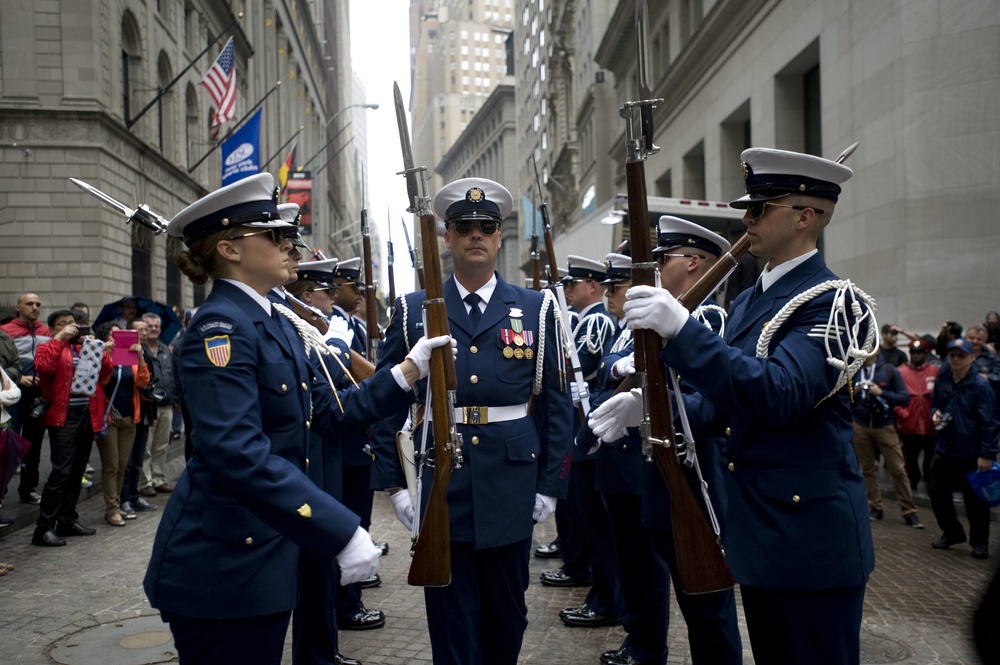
(84, 603)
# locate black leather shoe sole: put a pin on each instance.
(944, 542)
(563, 581)
(75, 530)
(589, 620)
(363, 621)
(47, 539)
(371, 582)
(548, 552)
(980, 552)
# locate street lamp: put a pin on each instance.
(352, 106)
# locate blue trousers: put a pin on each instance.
(480, 618)
(258, 640)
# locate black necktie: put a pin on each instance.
(758, 291)
(475, 314)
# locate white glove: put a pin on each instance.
(403, 507)
(420, 354)
(338, 329)
(544, 506)
(610, 419)
(650, 308)
(623, 367)
(359, 559)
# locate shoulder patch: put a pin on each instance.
(216, 326)
(219, 350)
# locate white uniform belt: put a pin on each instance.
(484, 415)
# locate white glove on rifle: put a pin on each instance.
(610, 419)
(338, 329)
(544, 506)
(623, 367)
(359, 559)
(403, 508)
(420, 354)
(650, 308)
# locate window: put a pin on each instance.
(541, 71)
(541, 38)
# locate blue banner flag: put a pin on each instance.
(241, 152)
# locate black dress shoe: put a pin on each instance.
(343, 660)
(5, 521)
(371, 582)
(364, 620)
(618, 658)
(589, 619)
(980, 552)
(572, 610)
(551, 551)
(559, 578)
(31, 498)
(946, 541)
(47, 539)
(382, 546)
(74, 528)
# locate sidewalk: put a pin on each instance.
(83, 603)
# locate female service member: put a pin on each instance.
(224, 568)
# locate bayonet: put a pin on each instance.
(412, 187)
(141, 214)
(642, 63)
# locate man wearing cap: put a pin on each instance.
(964, 413)
(913, 421)
(685, 252)
(224, 570)
(797, 533)
(515, 461)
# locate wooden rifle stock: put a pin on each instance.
(371, 308)
(715, 276)
(701, 565)
(431, 564)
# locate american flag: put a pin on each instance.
(220, 81)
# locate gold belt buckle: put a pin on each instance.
(475, 415)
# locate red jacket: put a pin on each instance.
(915, 418)
(54, 366)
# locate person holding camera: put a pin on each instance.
(71, 368)
(964, 413)
(877, 390)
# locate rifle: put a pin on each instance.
(431, 552)
(414, 257)
(371, 311)
(700, 560)
(536, 259)
(392, 258)
(579, 389)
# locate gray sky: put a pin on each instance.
(380, 54)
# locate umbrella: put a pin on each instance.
(170, 324)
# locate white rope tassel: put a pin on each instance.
(850, 356)
(701, 315)
(547, 301)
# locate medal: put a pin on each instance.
(518, 340)
(508, 352)
(528, 353)
(518, 353)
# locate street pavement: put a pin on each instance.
(83, 604)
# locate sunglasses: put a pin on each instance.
(662, 257)
(757, 209)
(275, 235)
(486, 227)
(613, 288)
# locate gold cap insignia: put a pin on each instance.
(305, 511)
(475, 195)
(746, 171)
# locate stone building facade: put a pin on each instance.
(74, 77)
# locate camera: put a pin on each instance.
(154, 393)
(81, 332)
(944, 421)
(38, 408)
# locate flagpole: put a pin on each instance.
(325, 146)
(131, 121)
(283, 146)
(333, 156)
(234, 128)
